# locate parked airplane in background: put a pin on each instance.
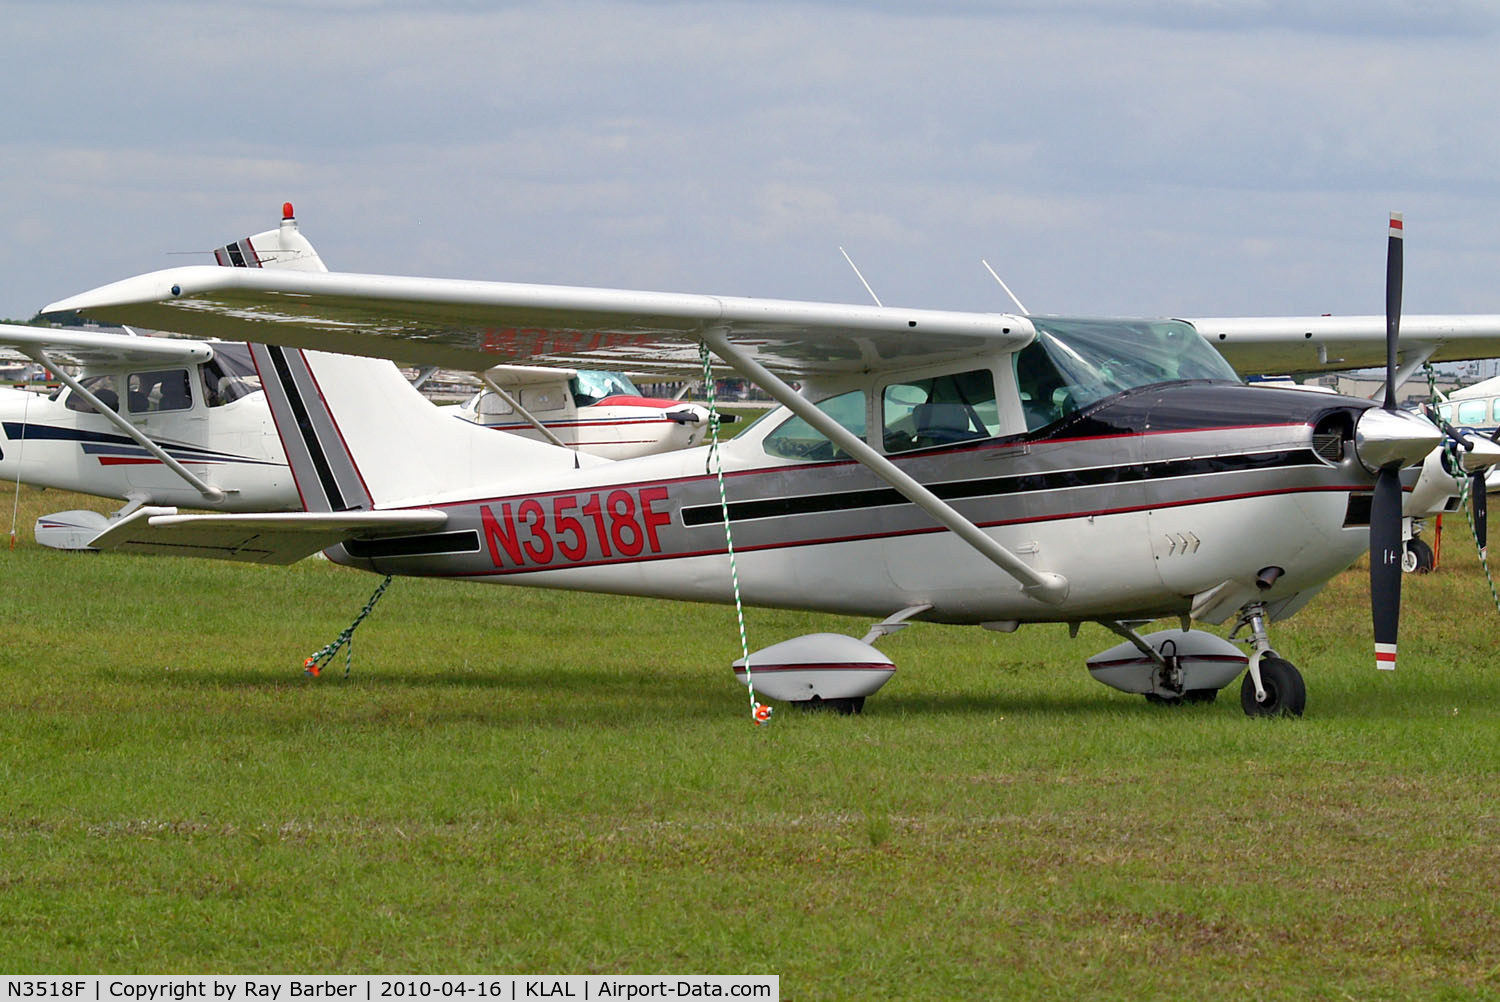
(152, 421)
(949, 467)
(174, 422)
(598, 412)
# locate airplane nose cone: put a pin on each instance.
(1384, 437)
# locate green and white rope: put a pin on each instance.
(315, 663)
(758, 712)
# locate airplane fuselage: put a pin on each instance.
(1142, 501)
(46, 443)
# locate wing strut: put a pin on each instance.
(515, 405)
(210, 493)
(1048, 587)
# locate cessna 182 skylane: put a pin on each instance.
(176, 422)
(987, 469)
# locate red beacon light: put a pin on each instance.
(286, 210)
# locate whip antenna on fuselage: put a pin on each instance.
(860, 277)
(1019, 305)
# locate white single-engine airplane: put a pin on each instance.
(603, 413)
(986, 469)
(150, 421)
(174, 422)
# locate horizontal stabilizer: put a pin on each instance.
(271, 538)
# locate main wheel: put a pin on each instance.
(1417, 557)
(1286, 695)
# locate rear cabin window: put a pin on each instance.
(167, 390)
(230, 375)
(1473, 411)
(794, 438)
(939, 410)
(491, 405)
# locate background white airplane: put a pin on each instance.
(602, 413)
(962, 468)
(150, 421)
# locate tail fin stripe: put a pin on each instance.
(306, 431)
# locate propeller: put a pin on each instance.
(1476, 498)
(1385, 507)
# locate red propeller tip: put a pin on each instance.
(1396, 229)
(1385, 657)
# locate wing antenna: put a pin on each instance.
(861, 277)
(1019, 305)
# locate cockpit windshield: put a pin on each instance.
(590, 387)
(1074, 362)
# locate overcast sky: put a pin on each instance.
(1139, 157)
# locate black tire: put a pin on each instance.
(1423, 554)
(1286, 695)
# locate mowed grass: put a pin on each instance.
(513, 780)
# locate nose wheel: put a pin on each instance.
(1273, 686)
(1284, 694)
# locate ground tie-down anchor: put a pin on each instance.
(315, 663)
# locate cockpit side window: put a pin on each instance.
(794, 438)
(166, 390)
(939, 410)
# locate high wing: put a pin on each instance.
(275, 538)
(474, 325)
(1282, 345)
(516, 376)
(89, 348)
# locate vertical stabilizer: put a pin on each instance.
(284, 247)
(358, 436)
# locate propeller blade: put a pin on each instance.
(1477, 499)
(1385, 507)
(1385, 566)
(1393, 263)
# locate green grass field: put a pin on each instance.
(524, 781)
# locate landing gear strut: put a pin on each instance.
(1273, 686)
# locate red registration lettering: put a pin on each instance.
(623, 529)
(594, 511)
(567, 525)
(500, 538)
(653, 519)
(624, 523)
(541, 552)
